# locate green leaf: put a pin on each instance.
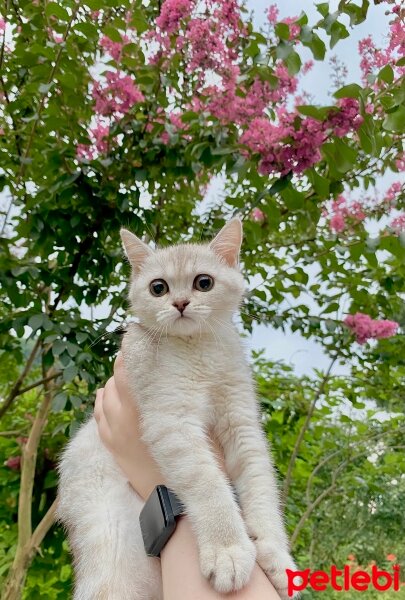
(293, 62)
(89, 30)
(54, 9)
(282, 31)
(395, 121)
(36, 321)
(386, 74)
(340, 155)
(349, 91)
(112, 33)
(317, 47)
(338, 32)
(59, 402)
(323, 8)
(280, 184)
(284, 50)
(314, 111)
(70, 373)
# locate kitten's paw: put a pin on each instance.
(275, 562)
(228, 568)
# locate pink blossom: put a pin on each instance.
(114, 49)
(398, 224)
(58, 39)
(13, 463)
(84, 152)
(364, 327)
(2, 24)
(207, 49)
(392, 193)
(257, 215)
(343, 214)
(165, 138)
(307, 66)
(285, 147)
(337, 223)
(345, 118)
(272, 14)
(117, 95)
(374, 58)
(99, 135)
(400, 162)
(171, 13)
(237, 104)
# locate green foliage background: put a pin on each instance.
(60, 259)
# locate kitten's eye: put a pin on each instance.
(158, 287)
(203, 283)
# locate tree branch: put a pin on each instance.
(27, 542)
(15, 390)
(297, 446)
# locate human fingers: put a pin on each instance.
(121, 380)
(98, 405)
(111, 401)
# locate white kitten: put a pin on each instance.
(190, 378)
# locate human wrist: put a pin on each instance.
(143, 478)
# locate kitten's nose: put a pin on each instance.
(181, 305)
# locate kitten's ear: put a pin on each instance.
(135, 249)
(228, 242)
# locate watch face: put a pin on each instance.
(157, 521)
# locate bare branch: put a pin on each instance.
(297, 446)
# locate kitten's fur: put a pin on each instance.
(189, 377)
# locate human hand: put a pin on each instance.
(118, 423)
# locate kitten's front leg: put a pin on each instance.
(250, 467)
(179, 445)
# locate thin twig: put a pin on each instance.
(298, 442)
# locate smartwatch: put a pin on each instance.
(158, 519)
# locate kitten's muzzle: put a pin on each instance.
(181, 305)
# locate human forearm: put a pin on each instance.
(182, 578)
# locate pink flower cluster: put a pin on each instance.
(114, 49)
(293, 144)
(374, 59)
(398, 224)
(233, 103)
(114, 98)
(117, 95)
(2, 24)
(99, 138)
(400, 162)
(207, 42)
(345, 118)
(365, 328)
(272, 14)
(391, 195)
(13, 463)
(171, 14)
(344, 214)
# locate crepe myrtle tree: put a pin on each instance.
(123, 112)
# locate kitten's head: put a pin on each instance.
(188, 288)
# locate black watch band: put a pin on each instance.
(158, 519)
